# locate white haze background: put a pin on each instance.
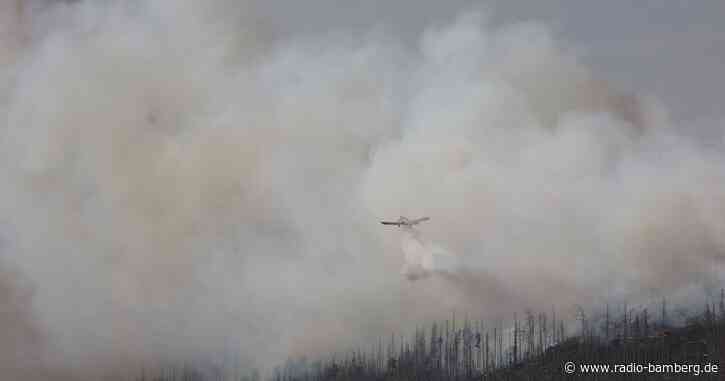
(181, 184)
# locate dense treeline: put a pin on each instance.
(534, 346)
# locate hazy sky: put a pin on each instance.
(176, 187)
(642, 45)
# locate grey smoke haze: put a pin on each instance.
(188, 182)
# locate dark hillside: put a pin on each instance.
(538, 348)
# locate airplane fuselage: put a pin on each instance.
(403, 221)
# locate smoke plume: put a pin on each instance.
(183, 185)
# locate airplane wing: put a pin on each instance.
(390, 223)
(419, 220)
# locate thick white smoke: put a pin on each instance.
(423, 258)
(180, 186)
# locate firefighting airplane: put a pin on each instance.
(402, 221)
